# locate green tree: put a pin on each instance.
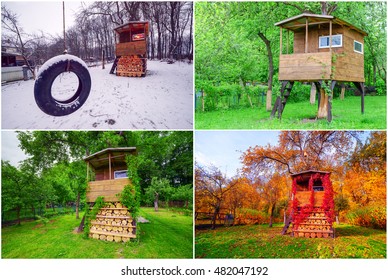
(159, 189)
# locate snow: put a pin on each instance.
(161, 100)
(60, 58)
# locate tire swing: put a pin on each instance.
(49, 72)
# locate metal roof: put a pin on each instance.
(297, 22)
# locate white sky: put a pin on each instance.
(223, 149)
(45, 16)
(10, 148)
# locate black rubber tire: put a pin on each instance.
(42, 90)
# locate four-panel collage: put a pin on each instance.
(196, 129)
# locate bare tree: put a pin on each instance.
(10, 23)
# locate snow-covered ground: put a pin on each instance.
(161, 100)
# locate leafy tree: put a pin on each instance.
(159, 189)
(341, 204)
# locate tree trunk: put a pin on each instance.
(324, 100)
(270, 70)
(271, 212)
(18, 215)
(77, 205)
(156, 202)
(214, 220)
(313, 93)
(342, 95)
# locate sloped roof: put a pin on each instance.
(298, 22)
(310, 171)
(131, 25)
(117, 156)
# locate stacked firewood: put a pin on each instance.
(113, 223)
(131, 66)
(315, 225)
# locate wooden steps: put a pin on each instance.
(113, 223)
(315, 225)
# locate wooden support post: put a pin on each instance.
(288, 39)
(306, 49)
(330, 34)
(281, 40)
(361, 88)
(329, 107)
(110, 167)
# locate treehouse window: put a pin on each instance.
(336, 41)
(358, 47)
(138, 37)
(120, 174)
(318, 188)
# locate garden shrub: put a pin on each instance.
(373, 217)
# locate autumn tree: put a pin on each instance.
(365, 179)
(211, 187)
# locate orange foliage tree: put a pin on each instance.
(211, 187)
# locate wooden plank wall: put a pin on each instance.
(106, 188)
(305, 67)
(347, 66)
(103, 174)
(131, 48)
(304, 198)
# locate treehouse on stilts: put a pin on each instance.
(131, 49)
(311, 208)
(325, 50)
(107, 177)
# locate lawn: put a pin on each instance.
(167, 235)
(260, 241)
(346, 115)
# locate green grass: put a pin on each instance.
(264, 242)
(168, 235)
(346, 115)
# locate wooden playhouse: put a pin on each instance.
(131, 49)
(315, 58)
(107, 177)
(311, 209)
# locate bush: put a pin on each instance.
(249, 217)
(373, 217)
(380, 87)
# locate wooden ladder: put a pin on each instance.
(287, 224)
(112, 70)
(281, 100)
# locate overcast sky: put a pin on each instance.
(46, 16)
(10, 148)
(224, 148)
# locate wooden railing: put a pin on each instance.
(304, 198)
(305, 66)
(106, 188)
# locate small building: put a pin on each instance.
(311, 205)
(107, 177)
(131, 49)
(317, 49)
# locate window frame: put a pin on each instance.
(354, 47)
(333, 46)
(119, 172)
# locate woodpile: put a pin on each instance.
(315, 225)
(131, 66)
(113, 223)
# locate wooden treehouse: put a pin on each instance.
(312, 205)
(315, 58)
(131, 49)
(107, 177)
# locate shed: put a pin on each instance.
(109, 173)
(131, 49)
(324, 49)
(311, 205)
